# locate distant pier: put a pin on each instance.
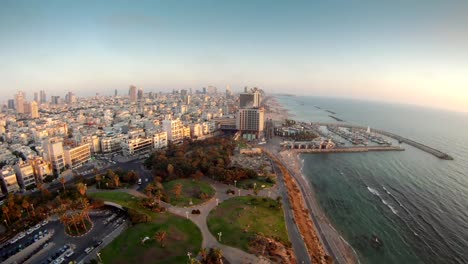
(439, 154)
(350, 149)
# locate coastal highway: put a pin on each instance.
(333, 244)
(298, 245)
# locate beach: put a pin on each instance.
(333, 243)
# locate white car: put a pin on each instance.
(69, 253)
(30, 230)
(139, 181)
(44, 222)
(21, 235)
(59, 261)
(88, 250)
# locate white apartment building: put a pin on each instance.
(111, 144)
(174, 129)
(93, 142)
(196, 130)
(8, 180)
(160, 140)
(77, 156)
(41, 168)
(24, 174)
(53, 153)
(137, 146)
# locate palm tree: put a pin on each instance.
(203, 254)
(160, 236)
(86, 208)
(26, 205)
(73, 220)
(65, 221)
(98, 180)
(116, 180)
(62, 181)
(177, 190)
(82, 188)
(40, 187)
(215, 255)
(6, 212)
(158, 195)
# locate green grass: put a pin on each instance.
(250, 214)
(245, 184)
(182, 236)
(190, 190)
(125, 200)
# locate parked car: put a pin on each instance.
(88, 250)
(69, 253)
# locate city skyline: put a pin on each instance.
(412, 53)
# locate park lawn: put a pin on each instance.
(182, 236)
(190, 191)
(249, 213)
(125, 200)
(246, 184)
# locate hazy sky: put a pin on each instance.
(405, 51)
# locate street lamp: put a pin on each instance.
(255, 185)
(6, 222)
(239, 191)
(189, 255)
(219, 236)
(217, 201)
(99, 256)
(186, 214)
(235, 183)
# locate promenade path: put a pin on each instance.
(233, 255)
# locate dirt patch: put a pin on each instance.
(175, 234)
(271, 249)
(302, 219)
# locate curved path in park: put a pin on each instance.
(233, 255)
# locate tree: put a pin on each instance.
(26, 205)
(116, 180)
(82, 188)
(62, 181)
(98, 180)
(177, 190)
(198, 175)
(65, 221)
(160, 236)
(170, 169)
(6, 213)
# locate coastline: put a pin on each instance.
(332, 241)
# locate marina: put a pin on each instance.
(342, 138)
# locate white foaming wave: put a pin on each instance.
(373, 191)
(387, 191)
(389, 206)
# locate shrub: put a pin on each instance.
(137, 217)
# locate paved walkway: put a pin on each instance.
(233, 255)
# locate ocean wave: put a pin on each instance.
(387, 191)
(373, 191)
(389, 206)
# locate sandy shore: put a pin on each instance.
(275, 111)
(334, 244)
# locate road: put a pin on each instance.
(334, 244)
(298, 245)
(78, 244)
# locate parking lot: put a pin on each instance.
(58, 247)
